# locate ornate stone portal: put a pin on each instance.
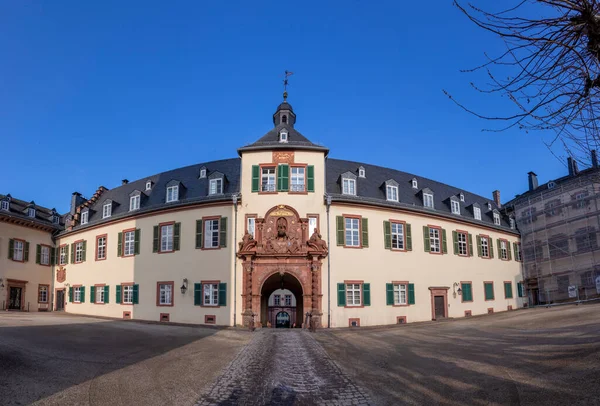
(282, 245)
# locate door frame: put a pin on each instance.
(56, 299)
(439, 291)
(15, 283)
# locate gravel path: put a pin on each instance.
(283, 367)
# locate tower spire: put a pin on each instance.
(285, 84)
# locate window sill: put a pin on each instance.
(100, 259)
(164, 305)
(354, 306)
(209, 306)
(18, 260)
(466, 301)
(126, 304)
(267, 193)
(353, 246)
(44, 264)
(398, 249)
(210, 249)
(102, 303)
(298, 193)
(401, 305)
(165, 252)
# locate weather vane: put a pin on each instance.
(285, 83)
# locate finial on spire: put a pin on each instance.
(285, 84)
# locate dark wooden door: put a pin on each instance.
(60, 300)
(15, 298)
(440, 308)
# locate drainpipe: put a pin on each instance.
(328, 267)
(234, 200)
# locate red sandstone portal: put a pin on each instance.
(282, 246)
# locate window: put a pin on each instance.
(31, 212)
(586, 239)
(297, 184)
(580, 198)
(434, 240)
(504, 250)
(288, 300)
(489, 206)
(148, 185)
(361, 172)
(268, 179)
(18, 250)
(508, 292)
(353, 293)
(552, 208)
(497, 219)
(400, 294)
(563, 283)
(99, 294)
(587, 279)
(397, 236)
(512, 223)
(551, 185)
(392, 193)
(466, 292)
(488, 288)
(78, 252)
(128, 294)
(352, 232)
(312, 224)
(84, 217)
(55, 219)
(5, 205)
(63, 254)
(276, 300)
(77, 294)
(216, 186)
(485, 248)
(477, 213)
(44, 255)
(283, 135)
(462, 197)
(415, 185)
(518, 255)
(211, 294)
(349, 186)
(428, 200)
(134, 202)
(211, 233)
(165, 294)
(106, 210)
(100, 247)
(129, 243)
(202, 173)
(251, 226)
(166, 238)
(42, 294)
(455, 206)
(463, 249)
(172, 193)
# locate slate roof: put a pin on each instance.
(43, 216)
(271, 141)
(371, 189)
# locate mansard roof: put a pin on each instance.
(295, 141)
(17, 210)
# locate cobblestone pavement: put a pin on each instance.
(283, 367)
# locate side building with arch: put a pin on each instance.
(227, 242)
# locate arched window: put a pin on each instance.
(284, 119)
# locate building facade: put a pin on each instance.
(354, 244)
(559, 225)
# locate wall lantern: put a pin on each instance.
(459, 290)
(184, 286)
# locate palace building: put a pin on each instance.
(279, 232)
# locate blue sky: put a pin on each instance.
(91, 93)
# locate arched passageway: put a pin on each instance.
(281, 294)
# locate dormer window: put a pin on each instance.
(489, 206)
(84, 217)
(462, 197)
(361, 172)
(283, 135)
(512, 223)
(148, 185)
(415, 184)
(428, 200)
(455, 206)
(477, 213)
(551, 185)
(31, 212)
(106, 210)
(5, 205)
(55, 219)
(172, 193)
(497, 218)
(392, 193)
(216, 186)
(134, 202)
(202, 173)
(349, 186)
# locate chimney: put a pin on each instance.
(572, 164)
(533, 183)
(496, 195)
(124, 182)
(76, 200)
(594, 159)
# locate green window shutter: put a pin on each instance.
(310, 178)
(455, 241)
(92, 294)
(389, 294)
(365, 232)
(467, 294)
(508, 294)
(367, 294)
(283, 178)
(499, 248)
(53, 255)
(199, 233)
(411, 293)
(408, 237)
(83, 251)
(176, 236)
(444, 242)
(197, 294)
(387, 235)
(120, 245)
(341, 290)
(516, 250)
(83, 294)
(26, 253)
(470, 244)
(38, 254)
(136, 245)
(155, 241)
(106, 293)
(479, 246)
(340, 230)
(118, 295)
(255, 180)
(66, 253)
(136, 294)
(508, 253)
(519, 289)
(491, 246)
(222, 294)
(72, 253)
(223, 232)
(70, 295)
(11, 248)
(426, 242)
(489, 291)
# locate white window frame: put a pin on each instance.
(313, 225)
(172, 194)
(99, 297)
(268, 175)
(400, 294)
(428, 200)
(202, 173)
(215, 186)
(518, 254)
(512, 223)
(165, 294)
(497, 219)
(166, 238)
(485, 247)
(134, 202)
(503, 250)
(287, 300)
(44, 255)
(106, 210)
(352, 232)
(361, 173)
(462, 197)
(435, 240)
(489, 206)
(391, 193)
(397, 232)
(18, 250)
(148, 185)
(283, 136)
(580, 198)
(251, 226)
(101, 247)
(210, 294)
(85, 215)
(78, 252)
(77, 294)
(43, 291)
(455, 207)
(353, 294)
(129, 243)
(298, 179)
(415, 184)
(63, 255)
(349, 186)
(463, 245)
(127, 294)
(5, 205)
(477, 213)
(31, 212)
(276, 300)
(211, 233)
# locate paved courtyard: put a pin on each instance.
(531, 357)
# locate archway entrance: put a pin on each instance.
(281, 303)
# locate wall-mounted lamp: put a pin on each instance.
(184, 286)
(457, 291)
